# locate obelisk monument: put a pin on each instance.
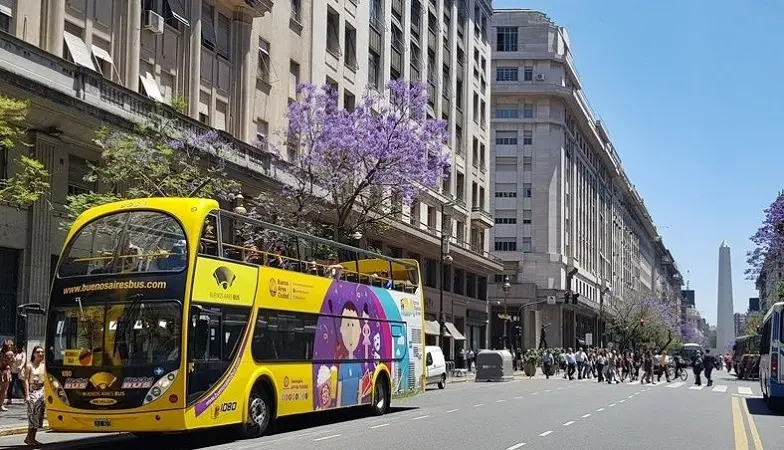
(725, 326)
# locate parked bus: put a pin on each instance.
(771, 378)
(171, 315)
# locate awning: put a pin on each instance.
(456, 335)
(431, 327)
(7, 7)
(151, 87)
(102, 54)
(178, 11)
(78, 50)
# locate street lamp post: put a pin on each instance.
(601, 316)
(506, 288)
(446, 258)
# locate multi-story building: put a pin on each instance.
(739, 320)
(234, 65)
(561, 200)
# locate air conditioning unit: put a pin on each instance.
(539, 77)
(153, 22)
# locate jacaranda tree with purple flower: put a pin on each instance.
(644, 322)
(158, 159)
(360, 167)
(768, 239)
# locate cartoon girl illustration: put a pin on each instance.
(366, 332)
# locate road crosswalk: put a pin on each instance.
(719, 388)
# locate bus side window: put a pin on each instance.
(208, 245)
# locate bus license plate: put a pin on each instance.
(103, 423)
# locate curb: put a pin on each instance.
(11, 431)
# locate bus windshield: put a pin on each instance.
(115, 334)
(135, 241)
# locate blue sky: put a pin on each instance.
(690, 92)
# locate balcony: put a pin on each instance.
(256, 8)
(78, 90)
(481, 218)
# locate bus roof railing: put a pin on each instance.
(317, 239)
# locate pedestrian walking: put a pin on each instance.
(547, 363)
(34, 394)
(697, 367)
(601, 361)
(17, 366)
(708, 362)
(6, 360)
(664, 362)
(571, 364)
(579, 359)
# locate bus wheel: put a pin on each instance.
(259, 413)
(380, 397)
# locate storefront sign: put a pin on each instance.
(476, 316)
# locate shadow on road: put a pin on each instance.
(757, 407)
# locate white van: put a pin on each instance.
(435, 366)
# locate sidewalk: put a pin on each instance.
(14, 421)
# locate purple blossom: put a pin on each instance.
(385, 142)
(768, 239)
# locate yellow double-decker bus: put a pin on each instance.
(171, 315)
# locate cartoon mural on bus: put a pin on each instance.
(359, 327)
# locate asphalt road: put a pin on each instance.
(534, 414)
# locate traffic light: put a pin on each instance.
(575, 296)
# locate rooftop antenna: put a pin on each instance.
(688, 273)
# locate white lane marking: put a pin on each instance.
(379, 426)
(518, 397)
(586, 415)
(516, 446)
(612, 404)
(637, 393)
(558, 389)
(547, 390)
(546, 433)
(634, 383)
(600, 410)
(631, 396)
(720, 388)
(745, 390)
(677, 384)
(478, 405)
(534, 393)
(421, 417)
(500, 401)
(326, 437)
(622, 401)
(568, 423)
(453, 410)
(697, 388)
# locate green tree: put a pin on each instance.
(31, 180)
(753, 323)
(157, 159)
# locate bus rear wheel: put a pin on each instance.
(380, 397)
(259, 414)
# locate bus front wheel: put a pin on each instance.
(259, 413)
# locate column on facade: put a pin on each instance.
(194, 58)
(133, 44)
(55, 26)
(38, 249)
(245, 57)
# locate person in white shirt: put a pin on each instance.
(571, 364)
(579, 358)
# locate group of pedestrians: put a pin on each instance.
(613, 366)
(17, 373)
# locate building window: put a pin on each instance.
(78, 169)
(476, 107)
(527, 214)
(223, 34)
(208, 37)
(293, 79)
(527, 190)
(506, 138)
(505, 245)
(348, 100)
(482, 110)
(262, 131)
(506, 112)
(505, 220)
(374, 68)
(528, 74)
(296, 9)
(527, 163)
(350, 37)
(264, 69)
(528, 137)
(506, 195)
(526, 243)
(506, 74)
(459, 95)
(506, 39)
(333, 38)
(528, 111)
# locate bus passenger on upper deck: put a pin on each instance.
(313, 268)
(334, 269)
(278, 261)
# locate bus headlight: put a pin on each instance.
(160, 387)
(58, 389)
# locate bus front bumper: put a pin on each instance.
(112, 421)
